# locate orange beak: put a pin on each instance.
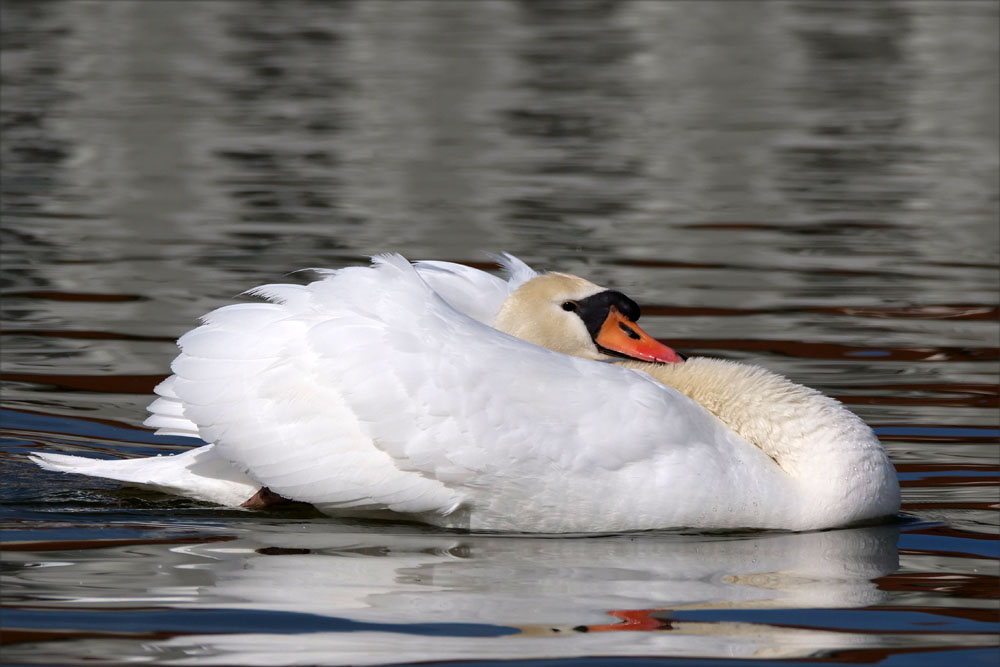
(623, 336)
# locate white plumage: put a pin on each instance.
(385, 389)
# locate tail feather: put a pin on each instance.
(198, 473)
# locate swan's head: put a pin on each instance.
(574, 316)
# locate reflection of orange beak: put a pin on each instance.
(634, 619)
(622, 335)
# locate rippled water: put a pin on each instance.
(811, 186)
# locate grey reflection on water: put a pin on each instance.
(573, 116)
(847, 161)
(179, 138)
(544, 588)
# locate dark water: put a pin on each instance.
(811, 186)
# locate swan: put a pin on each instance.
(443, 394)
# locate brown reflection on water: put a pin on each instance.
(73, 545)
(791, 348)
(12, 636)
(930, 312)
(975, 586)
(936, 437)
(954, 388)
(55, 295)
(992, 401)
(112, 384)
(918, 507)
(873, 656)
(939, 467)
(84, 335)
(944, 480)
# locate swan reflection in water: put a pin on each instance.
(559, 596)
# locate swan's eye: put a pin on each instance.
(569, 305)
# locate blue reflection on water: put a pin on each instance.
(27, 421)
(227, 620)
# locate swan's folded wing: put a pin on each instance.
(249, 384)
(374, 393)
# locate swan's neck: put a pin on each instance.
(810, 436)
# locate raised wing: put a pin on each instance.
(476, 293)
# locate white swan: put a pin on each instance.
(384, 390)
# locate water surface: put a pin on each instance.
(809, 186)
